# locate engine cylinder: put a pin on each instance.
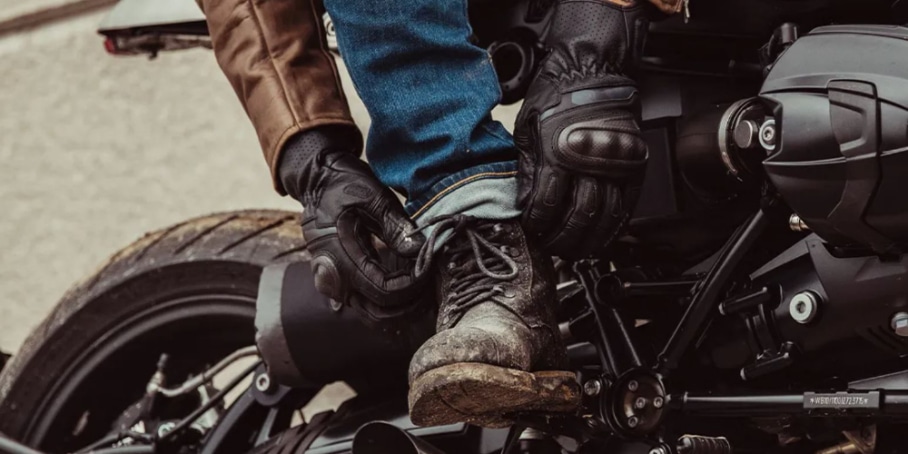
(840, 147)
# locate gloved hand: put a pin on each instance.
(344, 204)
(582, 156)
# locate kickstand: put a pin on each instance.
(513, 437)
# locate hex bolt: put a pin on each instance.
(592, 388)
(263, 383)
(640, 403)
(900, 324)
(658, 402)
(633, 421)
(804, 307)
(658, 450)
(768, 135)
(796, 224)
(633, 385)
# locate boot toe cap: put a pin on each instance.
(502, 345)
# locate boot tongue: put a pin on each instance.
(476, 261)
(457, 237)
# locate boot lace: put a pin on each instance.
(479, 267)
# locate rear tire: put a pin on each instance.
(190, 287)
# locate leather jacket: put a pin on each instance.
(275, 56)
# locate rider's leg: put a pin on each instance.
(430, 93)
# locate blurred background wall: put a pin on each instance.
(96, 150)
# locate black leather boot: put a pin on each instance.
(497, 351)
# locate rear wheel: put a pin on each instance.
(188, 291)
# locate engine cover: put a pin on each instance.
(839, 97)
(847, 331)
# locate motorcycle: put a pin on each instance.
(758, 302)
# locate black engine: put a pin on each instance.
(820, 315)
(795, 319)
(840, 106)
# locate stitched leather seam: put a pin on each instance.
(323, 48)
(280, 78)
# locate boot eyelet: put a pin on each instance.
(451, 266)
(498, 228)
(507, 292)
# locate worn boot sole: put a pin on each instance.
(488, 396)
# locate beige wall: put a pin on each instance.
(15, 8)
(96, 150)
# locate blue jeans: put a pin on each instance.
(430, 93)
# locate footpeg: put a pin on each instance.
(695, 444)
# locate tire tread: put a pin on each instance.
(252, 237)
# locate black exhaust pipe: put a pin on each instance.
(384, 438)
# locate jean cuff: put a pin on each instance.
(484, 195)
(486, 184)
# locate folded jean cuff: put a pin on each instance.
(441, 190)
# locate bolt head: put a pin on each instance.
(640, 403)
(633, 385)
(768, 135)
(633, 421)
(592, 388)
(804, 307)
(900, 324)
(745, 134)
(658, 450)
(263, 383)
(658, 402)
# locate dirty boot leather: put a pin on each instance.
(497, 351)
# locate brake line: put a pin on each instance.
(216, 399)
(155, 385)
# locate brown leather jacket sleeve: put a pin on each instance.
(275, 56)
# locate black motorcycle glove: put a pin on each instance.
(582, 156)
(344, 205)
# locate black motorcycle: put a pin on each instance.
(757, 304)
